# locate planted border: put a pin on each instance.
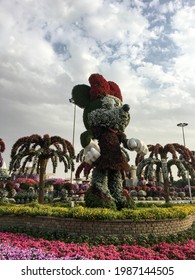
(92, 222)
(94, 214)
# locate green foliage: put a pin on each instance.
(86, 137)
(146, 204)
(96, 213)
(181, 183)
(38, 150)
(95, 200)
(60, 203)
(4, 200)
(167, 204)
(81, 95)
(141, 193)
(80, 212)
(92, 105)
(25, 197)
(130, 203)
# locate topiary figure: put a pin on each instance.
(105, 118)
(2, 149)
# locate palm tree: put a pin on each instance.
(2, 149)
(182, 158)
(38, 150)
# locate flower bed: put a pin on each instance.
(156, 193)
(94, 214)
(90, 222)
(22, 247)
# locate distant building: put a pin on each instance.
(3, 172)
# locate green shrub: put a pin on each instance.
(96, 200)
(141, 193)
(146, 204)
(166, 211)
(4, 200)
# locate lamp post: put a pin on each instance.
(182, 125)
(73, 131)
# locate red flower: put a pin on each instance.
(99, 86)
(2, 146)
(115, 90)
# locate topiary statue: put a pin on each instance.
(105, 118)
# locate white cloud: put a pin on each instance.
(183, 36)
(48, 46)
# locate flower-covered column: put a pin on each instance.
(165, 178)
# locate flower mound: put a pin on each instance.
(22, 247)
(15, 253)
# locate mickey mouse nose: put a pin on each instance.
(126, 107)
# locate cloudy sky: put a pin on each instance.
(146, 47)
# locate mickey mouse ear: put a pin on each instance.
(81, 95)
(99, 86)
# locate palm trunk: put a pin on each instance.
(165, 179)
(166, 189)
(42, 177)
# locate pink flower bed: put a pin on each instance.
(20, 246)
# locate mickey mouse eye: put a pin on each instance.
(112, 103)
(117, 103)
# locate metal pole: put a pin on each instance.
(74, 123)
(73, 134)
(184, 142)
(182, 125)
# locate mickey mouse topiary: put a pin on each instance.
(105, 119)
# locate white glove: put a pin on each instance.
(92, 152)
(137, 145)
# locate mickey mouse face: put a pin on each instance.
(102, 104)
(109, 112)
(111, 102)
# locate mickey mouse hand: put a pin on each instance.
(92, 152)
(137, 145)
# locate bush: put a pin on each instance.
(149, 198)
(142, 198)
(181, 194)
(166, 211)
(4, 200)
(96, 200)
(25, 197)
(133, 193)
(141, 193)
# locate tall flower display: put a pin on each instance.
(2, 149)
(105, 118)
(38, 150)
(159, 161)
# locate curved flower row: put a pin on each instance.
(22, 247)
